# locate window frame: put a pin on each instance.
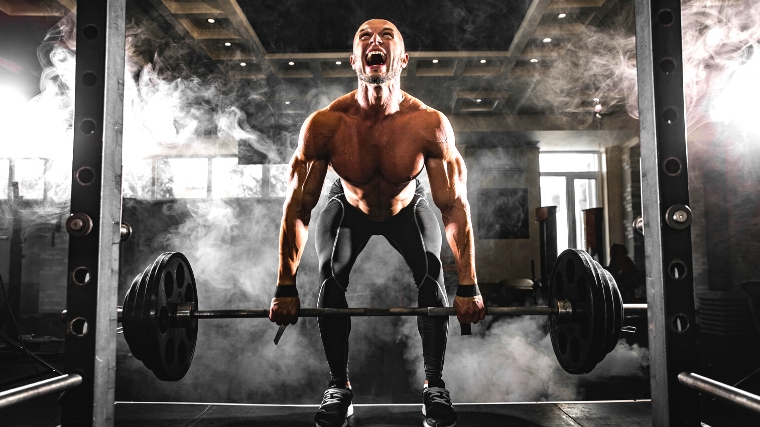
(570, 178)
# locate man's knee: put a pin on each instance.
(431, 293)
(331, 295)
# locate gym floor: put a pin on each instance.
(518, 414)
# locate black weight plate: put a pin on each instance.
(609, 307)
(602, 310)
(577, 344)
(150, 312)
(127, 312)
(144, 309)
(617, 299)
(174, 347)
(137, 320)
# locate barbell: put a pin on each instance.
(160, 314)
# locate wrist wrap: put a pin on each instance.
(286, 291)
(467, 291)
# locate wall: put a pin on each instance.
(612, 176)
(631, 166)
(504, 160)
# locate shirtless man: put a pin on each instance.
(377, 139)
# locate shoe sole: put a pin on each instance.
(425, 424)
(348, 414)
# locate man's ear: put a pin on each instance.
(405, 60)
(351, 60)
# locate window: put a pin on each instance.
(229, 179)
(569, 181)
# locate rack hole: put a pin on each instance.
(81, 276)
(670, 115)
(680, 323)
(666, 17)
(89, 78)
(677, 270)
(87, 126)
(90, 32)
(667, 65)
(85, 175)
(78, 327)
(672, 166)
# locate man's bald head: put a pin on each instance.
(379, 54)
(376, 22)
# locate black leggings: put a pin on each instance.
(342, 232)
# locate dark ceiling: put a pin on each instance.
(329, 26)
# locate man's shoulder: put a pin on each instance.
(332, 115)
(421, 111)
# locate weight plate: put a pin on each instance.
(617, 299)
(172, 347)
(127, 312)
(600, 313)
(143, 312)
(151, 309)
(137, 318)
(577, 343)
(609, 308)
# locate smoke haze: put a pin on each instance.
(232, 243)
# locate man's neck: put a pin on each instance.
(379, 100)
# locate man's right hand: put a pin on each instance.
(284, 310)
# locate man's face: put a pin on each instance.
(379, 54)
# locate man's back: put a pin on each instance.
(377, 158)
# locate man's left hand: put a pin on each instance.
(470, 309)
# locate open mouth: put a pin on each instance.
(375, 58)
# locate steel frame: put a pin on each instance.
(92, 354)
(672, 334)
(96, 193)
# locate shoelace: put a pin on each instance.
(439, 395)
(332, 396)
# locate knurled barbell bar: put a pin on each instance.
(160, 314)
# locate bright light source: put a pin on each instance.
(228, 44)
(435, 61)
(338, 62)
(596, 100)
(562, 15)
(287, 102)
(534, 60)
(482, 61)
(547, 40)
(12, 102)
(478, 100)
(291, 63)
(211, 20)
(243, 64)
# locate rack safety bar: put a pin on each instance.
(41, 388)
(721, 391)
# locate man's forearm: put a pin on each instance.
(293, 235)
(459, 235)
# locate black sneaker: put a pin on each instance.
(336, 406)
(437, 407)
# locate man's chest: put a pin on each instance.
(394, 151)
